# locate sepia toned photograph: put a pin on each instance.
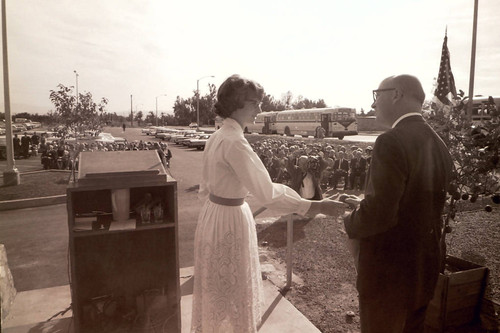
(243, 167)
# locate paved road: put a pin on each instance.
(363, 137)
(36, 240)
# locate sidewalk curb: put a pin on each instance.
(32, 202)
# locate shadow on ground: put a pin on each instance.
(275, 234)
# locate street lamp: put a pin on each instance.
(157, 107)
(198, 100)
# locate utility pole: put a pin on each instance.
(131, 113)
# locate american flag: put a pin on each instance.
(446, 82)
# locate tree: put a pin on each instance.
(185, 110)
(300, 103)
(305, 103)
(85, 115)
(207, 102)
(286, 99)
(150, 118)
(89, 113)
(475, 150)
(269, 103)
(138, 117)
(171, 120)
(65, 104)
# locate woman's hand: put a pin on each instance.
(327, 206)
(333, 207)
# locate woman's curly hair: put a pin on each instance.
(233, 93)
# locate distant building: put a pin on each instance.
(368, 123)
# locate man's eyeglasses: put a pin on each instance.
(377, 92)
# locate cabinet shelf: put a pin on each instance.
(86, 233)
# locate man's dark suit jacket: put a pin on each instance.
(358, 167)
(398, 222)
(296, 177)
(344, 166)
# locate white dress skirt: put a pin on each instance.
(228, 294)
(228, 284)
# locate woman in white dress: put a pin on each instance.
(228, 292)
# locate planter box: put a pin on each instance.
(458, 295)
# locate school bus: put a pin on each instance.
(482, 106)
(336, 122)
(265, 123)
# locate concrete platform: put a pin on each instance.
(32, 310)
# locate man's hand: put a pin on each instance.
(327, 206)
(350, 199)
(333, 207)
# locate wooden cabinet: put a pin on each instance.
(125, 272)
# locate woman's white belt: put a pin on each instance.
(226, 201)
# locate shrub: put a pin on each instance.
(474, 147)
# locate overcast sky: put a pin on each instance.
(335, 50)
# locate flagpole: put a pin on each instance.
(11, 174)
(472, 63)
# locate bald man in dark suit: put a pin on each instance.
(398, 225)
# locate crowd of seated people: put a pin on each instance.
(312, 167)
(63, 155)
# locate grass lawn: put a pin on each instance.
(326, 293)
(36, 184)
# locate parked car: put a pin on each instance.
(29, 125)
(108, 138)
(193, 125)
(178, 139)
(199, 143)
(18, 128)
(150, 130)
(35, 124)
(160, 130)
(185, 141)
(167, 135)
(180, 134)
